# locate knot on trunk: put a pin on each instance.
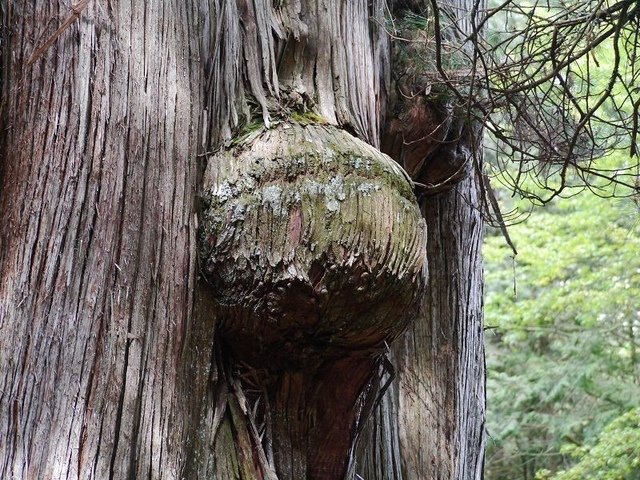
(432, 140)
(313, 242)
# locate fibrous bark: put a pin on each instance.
(314, 247)
(313, 243)
(269, 59)
(97, 246)
(441, 357)
(431, 424)
(270, 62)
(107, 368)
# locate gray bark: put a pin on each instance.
(441, 357)
(431, 423)
(268, 59)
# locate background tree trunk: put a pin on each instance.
(431, 423)
(441, 357)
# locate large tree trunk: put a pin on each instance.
(315, 250)
(431, 422)
(117, 360)
(441, 358)
(97, 246)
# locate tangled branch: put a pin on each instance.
(556, 85)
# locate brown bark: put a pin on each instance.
(326, 62)
(313, 243)
(97, 248)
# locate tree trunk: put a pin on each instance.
(97, 249)
(441, 358)
(315, 250)
(117, 359)
(326, 63)
(431, 423)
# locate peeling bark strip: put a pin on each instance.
(75, 14)
(327, 56)
(97, 246)
(315, 249)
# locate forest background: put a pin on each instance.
(563, 314)
(562, 347)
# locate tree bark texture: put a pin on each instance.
(441, 358)
(316, 62)
(270, 58)
(431, 424)
(97, 247)
(113, 361)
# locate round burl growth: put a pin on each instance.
(313, 243)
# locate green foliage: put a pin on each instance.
(615, 456)
(308, 118)
(563, 352)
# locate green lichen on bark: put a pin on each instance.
(313, 242)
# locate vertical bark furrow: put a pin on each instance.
(313, 56)
(444, 382)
